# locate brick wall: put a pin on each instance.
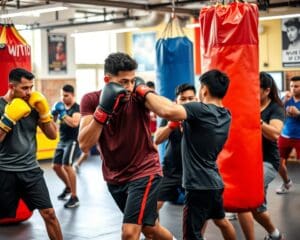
(51, 87)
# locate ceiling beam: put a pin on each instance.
(138, 6)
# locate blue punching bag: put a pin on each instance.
(175, 63)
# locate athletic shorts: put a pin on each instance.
(270, 174)
(29, 185)
(286, 146)
(201, 205)
(66, 153)
(170, 190)
(137, 199)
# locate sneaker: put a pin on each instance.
(72, 202)
(66, 192)
(284, 188)
(76, 168)
(269, 237)
(230, 216)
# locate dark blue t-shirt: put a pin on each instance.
(67, 133)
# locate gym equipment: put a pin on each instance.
(22, 214)
(229, 42)
(14, 52)
(174, 61)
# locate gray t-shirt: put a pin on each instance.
(18, 149)
(205, 132)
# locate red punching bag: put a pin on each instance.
(22, 214)
(229, 42)
(14, 52)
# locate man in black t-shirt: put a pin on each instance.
(205, 131)
(67, 150)
(171, 185)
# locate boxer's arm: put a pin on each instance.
(49, 129)
(89, 132)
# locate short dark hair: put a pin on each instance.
(216, 81)
(295, 78)
(184, 87)
(117, 62)
(150, 84)
(16, 74)
(293, 22)
(68, 88)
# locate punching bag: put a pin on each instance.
(174, 59)
(174, 64)
(14, 52)
(22, 214)
(229, 42)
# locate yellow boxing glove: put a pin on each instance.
(13, 112)
(38, 101)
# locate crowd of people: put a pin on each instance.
(194, 127)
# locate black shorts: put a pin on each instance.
(137, 199)
(66, 153)
(29, 185)
(170, 190)
(201, 205)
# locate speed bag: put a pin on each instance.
(229, 42)
(22, 214)
(14, 53)
(175, 64)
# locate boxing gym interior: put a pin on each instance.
(66, 42)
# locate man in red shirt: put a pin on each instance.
(118, 120)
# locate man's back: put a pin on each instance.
(205, 132)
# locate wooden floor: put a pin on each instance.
(97, 217)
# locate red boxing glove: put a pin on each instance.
(110, 98)
(174, 124)
(141, 88)
(101, 116)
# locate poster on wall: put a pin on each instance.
(291, 42)
(144, 50)
(57, 54)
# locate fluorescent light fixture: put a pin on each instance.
(264, 18)
(33, 11)
(193, 25)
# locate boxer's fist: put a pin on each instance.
(173, 124)
(13, 112)
(38, 101)
(110, 97)
(59, 109)
(141, 88)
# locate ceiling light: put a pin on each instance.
(33, 11)
(192, 25)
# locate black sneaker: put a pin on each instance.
(72, 202)
(66, 192)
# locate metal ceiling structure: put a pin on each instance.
(86, 12)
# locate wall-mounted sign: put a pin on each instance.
(57, 53)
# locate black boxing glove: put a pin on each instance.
(141, 88)
(109, 99)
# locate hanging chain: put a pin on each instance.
(173, 9)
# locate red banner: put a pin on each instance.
(229, 42)
(14, 52)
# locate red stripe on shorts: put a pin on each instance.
(144, 201)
